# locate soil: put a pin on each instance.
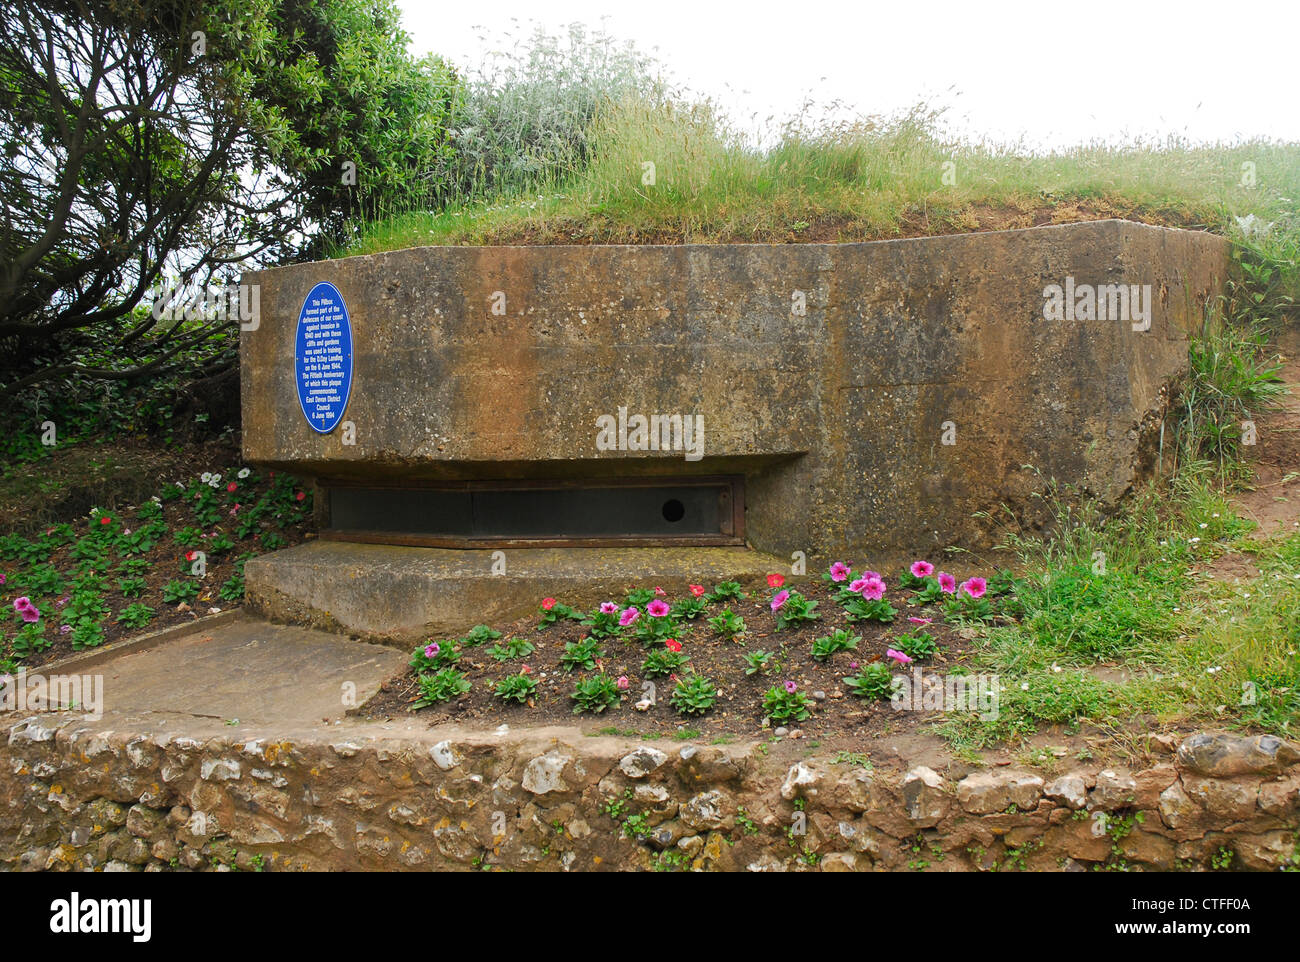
(739, 709)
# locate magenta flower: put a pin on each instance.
(975, 587)
(628, 616)
(3, 579)
(858, 585)
(790, 687)
(921, 621)
(64, 629)
(839, 571)
(28, 610)
(431, 649)
(780, 599)
(874, 589)
(608, 607)
(872, 574)
(922, 569)
(948, 583)
(853, 666)
(656, 609)
(898, 656)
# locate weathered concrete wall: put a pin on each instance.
(76, 796)
(835, 416)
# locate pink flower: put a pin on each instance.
(697, 590)
(63, 601)
(64, 629)
(622, 683)
(871, 574)
(790, 687)
(921, 621)
(775, 581)
(898, 656)
(948, 583)
(431, 649)
(656, 609)
(3, 579)
(28, 610)
(628, 616)
(858, 585)
(853, 666)
(548, 604)
(660, 592)
(975, 587)
(780, 599)
(839, 571)
(608, 607)
(874, 589)
(922, 569)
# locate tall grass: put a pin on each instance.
(583, 177)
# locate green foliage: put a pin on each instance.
(445, 656)
(917, 645)
(871, 681)
(795, 610)
(865, 609)
(135, 616)
(838, 640)
(758, 661)
(440, 686)
(184, 590)
(660, 662)
(557, 611)
(514, 648)
(131, 587)
(726, 591)
(594, 694)
(782, 705)
(581, 654)
(728, 624)
(518, 688)
(693, 695)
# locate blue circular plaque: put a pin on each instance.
(323, 357)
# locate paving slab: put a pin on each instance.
(245, 669)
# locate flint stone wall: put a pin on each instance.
(78, 798)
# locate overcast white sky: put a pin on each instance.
(1055, 73)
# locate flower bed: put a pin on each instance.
(120, 573)
(819, 656)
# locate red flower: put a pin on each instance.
(191, 555)
(548, 604)
(300, 496)
(672, 644)
(697, 590)
(775, 581)
(106, 520)
(232, 486)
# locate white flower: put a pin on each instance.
(243, 473)
(205, 477)
(1204, 525)
(1215, 515)
(1024, 686)
(1193, 540)
(1213, 670)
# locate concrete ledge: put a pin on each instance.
(400, 594)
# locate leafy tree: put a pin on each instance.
(156, 143)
